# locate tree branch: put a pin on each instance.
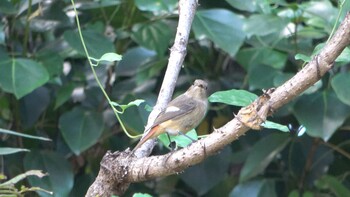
(118, 169)
(104, 186)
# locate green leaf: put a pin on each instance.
(262, 55)
(96, 43)
(86, 5)
(311, 32)
(256, 188)
(133, 59)
(8, 151)
(6, 7)
(150, 69)
(204, 176)
(256, 81)
(264, 24)
(303, 57)
(322, 9)
(33, 105)
(81, 128)
(52, 61)
(262, 153)
(155, 36)
(181, 141)
(233, 97)
(108, 57)
(333, 184)
(136, 102)
(221, 26)
(321, 113)
(247, 5)
(60, 179)
(344, 56)
(9, 132)
(156, 6)
(63, 94)
(21, 76)
(272, 125)
(281, 78)
(141, 195)
(22, 176)
(340, 84)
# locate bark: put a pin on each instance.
(119, 169)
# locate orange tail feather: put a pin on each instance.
(154, 132)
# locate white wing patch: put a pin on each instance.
(172, 109)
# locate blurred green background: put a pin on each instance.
(47, 89)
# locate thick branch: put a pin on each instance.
(159, 166)
(118, 169)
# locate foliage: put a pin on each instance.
(48, 89)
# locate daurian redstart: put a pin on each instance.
(182, 114)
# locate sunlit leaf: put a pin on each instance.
(221, 26)
(8, 151)
(272, 125)
(233, 97)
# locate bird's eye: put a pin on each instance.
(202, 86)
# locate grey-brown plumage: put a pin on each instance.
(182, 114)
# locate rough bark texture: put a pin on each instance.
(119, 169)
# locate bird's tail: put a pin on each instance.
(154, 132)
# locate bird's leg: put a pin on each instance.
(193, 140)
(172, 145)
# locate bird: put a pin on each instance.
(181, 115)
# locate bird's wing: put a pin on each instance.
(176, 108)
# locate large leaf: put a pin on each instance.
(96, 43)
(261, 76)
(63, 94)
(133, 59)
(263, 24)
(263, 55)
(33, 105)
(156, 6)
(21, 76)
(52, 61)
(262, 153)
(233, 97)
(340, 84)
(221, 26)
(134, 118)
(321, 113)
(247, 5)
(81, 128)
(207, 174)
(155, 36)
(255, 188)
(60, 179)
